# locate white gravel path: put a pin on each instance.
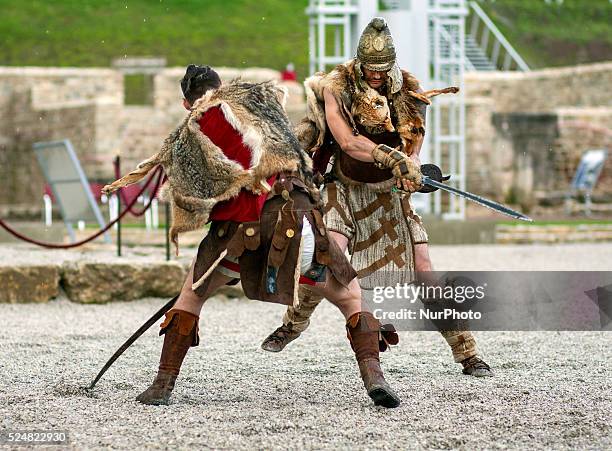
(551, 390)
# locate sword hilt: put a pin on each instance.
(434, 173)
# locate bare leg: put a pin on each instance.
(422, 261)
(347, 299)
(191, 302)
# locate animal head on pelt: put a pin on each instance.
(371, 110)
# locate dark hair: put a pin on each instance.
(198, 80)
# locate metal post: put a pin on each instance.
(495, 53)
(587, 203)
(167, 229)
(48, 210)
(147, 215)
(118, 166)
(119, 223)
(155, 213)
(321, 42)
(474, 26)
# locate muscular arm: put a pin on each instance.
(358, 147)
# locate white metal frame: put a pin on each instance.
(42, 150)
(446, 118)
(337, 14)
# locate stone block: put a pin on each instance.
(99, 282)
(38, 283)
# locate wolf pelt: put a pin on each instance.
(200, 175)
(409, 105)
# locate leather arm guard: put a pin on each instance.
(402, 166)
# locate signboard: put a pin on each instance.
(68, 183)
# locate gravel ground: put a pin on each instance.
(551, 390)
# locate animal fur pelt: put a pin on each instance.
(200, 175)
(365, 107)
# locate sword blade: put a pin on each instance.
(133, 338)
(478, 199)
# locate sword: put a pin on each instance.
(478, 199)
(133, 338)
(435, 171)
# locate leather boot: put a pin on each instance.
(295, 321)
(281, 337)
(475, 366)
(181, 331)
(363, 331)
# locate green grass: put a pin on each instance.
(555, 33)
(237, 33)
(548, 222)
(264, 33)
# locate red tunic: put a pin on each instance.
(246, 206)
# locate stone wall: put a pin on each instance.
(87, 107)
(526, 132)
(543, 90)
(45, 104)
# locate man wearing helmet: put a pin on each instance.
(385, 236)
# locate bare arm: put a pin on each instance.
(358, 147)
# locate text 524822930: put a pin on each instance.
(33, 437)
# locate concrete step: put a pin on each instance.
(56, 233)
(570, 233)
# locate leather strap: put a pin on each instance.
(382, 200)
(392, 254)
(387, 227)
(285, 230)
(332, 202)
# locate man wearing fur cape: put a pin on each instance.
(235, 161)
(370, 155)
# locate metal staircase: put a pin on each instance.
(476, 56)
(486, 48)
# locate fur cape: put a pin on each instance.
(200, 175)
(409, 106)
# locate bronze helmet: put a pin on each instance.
(376, 50)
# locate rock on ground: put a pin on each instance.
(103, 282)
(36, 283)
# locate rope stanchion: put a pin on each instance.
(160, 176)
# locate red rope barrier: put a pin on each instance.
(159, 172)
(160, 181)
(123, 197)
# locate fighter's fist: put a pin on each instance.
(408, 173)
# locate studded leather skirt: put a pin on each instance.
(269, 250)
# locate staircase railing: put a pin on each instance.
(481, 30)
(456, 52)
